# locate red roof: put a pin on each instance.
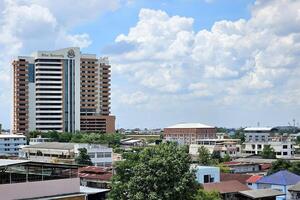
(265, 166)
(225, 187)
(100, 177)
(239, 177)
(231, 163)
(253, 179)
(94, 169)
(96, 173)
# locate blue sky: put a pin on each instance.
(220, 62)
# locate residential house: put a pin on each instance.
(282, 181)
(295, 191)
(260, 194)
(239, 167)
(251, 182)
(207, 174)
(95, 177)
(228, 189)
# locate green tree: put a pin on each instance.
(204, 157)
(158, 172)
(226, 158)
(83, 158)
(216, 155)
(278, 165)
(223, 168)
(268, 152)
(204, 195)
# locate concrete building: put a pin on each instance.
(56, 152)
(38, 140)
(10, 144)
(189, 133)
(207, 174)
(23, 179)
(231, 147)
(257, 137)
(238, 167)
(63, 90)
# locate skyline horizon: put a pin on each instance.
(223, 63)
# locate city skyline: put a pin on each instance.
(223, 63)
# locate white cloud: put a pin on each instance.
(231, 61)
(27, 26)
(135, 98)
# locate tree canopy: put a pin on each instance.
(268, 152)
(204, 195)
(204, 156)
(83, 158)
(159, 172)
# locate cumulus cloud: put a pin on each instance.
(234, 60)
(27, 26)
(135, 98)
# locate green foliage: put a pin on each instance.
(226, 158)
(223, 168)
(216, 155)
(203, 195)
(158, 172)
(268, 152)
(279, 165)
(239, 134)
(79, 137)
(222, 130)
(204, 157)
(83, 158)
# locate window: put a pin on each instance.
(259, 146)
(284, 146)
(253, 146)
(100, 155)
(284, 153)
(92, 155)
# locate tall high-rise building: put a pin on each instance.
(62, 90)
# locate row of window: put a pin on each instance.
(100, 155)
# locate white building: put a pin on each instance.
(99, 154)
(38, 140)
(258, 137)
(10, 144)
(57, 152)
(223, 146)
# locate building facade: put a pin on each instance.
(62, 90)
(189, 133)
(10, 144)
(258, 137)
(57, 152)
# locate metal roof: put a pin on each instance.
(12, 136)
(7, 162)
(261, 193)
(190, 125)
(283, 177)
(52, 145)
(295, 188)
(258, 129)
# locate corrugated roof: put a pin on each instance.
(52, 145)
(7, 162)
(283, 177)
(242, 178)
(253, 179)
(295, 188)
(261, 193)
(190, 125)
(225, 187)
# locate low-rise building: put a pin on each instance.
(256, 138)
(251, 182)
(295, 191)
(24, 179)
(10, 144)
(231, 147)
(282, 181)
(95, 177)
(238, 167)
(260, 194)
(57, 152)
(189, 133)
(38, 140)
(227, 189)
(207, 174)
